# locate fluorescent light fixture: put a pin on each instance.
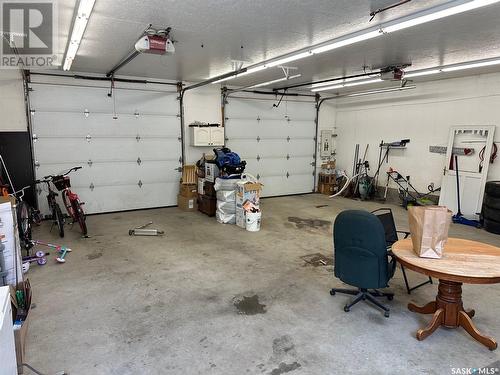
(342, 81)
(288, 59)
(379, 91)
(437, 13)
(419, 73)
(349, 84)
(276, 80)
(347, 41)
(471, 65)
(248, 71)
(448, 9)
(82, 18)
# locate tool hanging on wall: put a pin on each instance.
(384, 156)
(142, 231)
(493, 156)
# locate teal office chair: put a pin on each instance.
(361, 258)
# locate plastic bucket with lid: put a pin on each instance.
(253, 221)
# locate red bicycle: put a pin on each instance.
(70, 199)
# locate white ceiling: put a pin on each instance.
(270, 28)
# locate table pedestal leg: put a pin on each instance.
(448, 311)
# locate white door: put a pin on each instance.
(128, 163)
(471, 180)
(276, 142)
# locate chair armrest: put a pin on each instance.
(407, 234)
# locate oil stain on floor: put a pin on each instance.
(250, 305)
(301, 223)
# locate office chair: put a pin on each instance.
(361, 257)
(391, 236)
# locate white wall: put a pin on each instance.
(204, 105)
(424, 115)
(12, 109)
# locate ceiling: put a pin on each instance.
(209, 34)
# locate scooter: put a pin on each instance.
(62, 250)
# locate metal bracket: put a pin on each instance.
(258, 118)
(140, 183)
(178, 169)
(258, 157)
(37, 163)
(91, 187)
(139, 161)
(34, 137)
(258, 176)
(88, 138)
(287, 156)
(258, 138)
(287, 174)
(90, 162)
(288, 139)
(179, 139)
(137, 137)
(136, 114)
(32, 112)
(86, 113)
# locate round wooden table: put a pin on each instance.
(463, 261)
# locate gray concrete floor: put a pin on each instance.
(139, 305)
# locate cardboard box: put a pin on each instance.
(189, 174)
(186, 204)
(248, 191)
(188, 190)
(241, 217)
(211, 172)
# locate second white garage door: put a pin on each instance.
(128, 163)
(277, 142)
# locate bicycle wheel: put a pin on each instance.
(68, 204)
(23, 222)
(59, 219)
(80, 216)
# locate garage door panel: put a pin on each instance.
(125, 160)
(301, 147)
(275, 141)
(252, 108)
(152, 102)
(236, 129)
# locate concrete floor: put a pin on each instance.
(139, 305)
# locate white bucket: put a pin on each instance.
(253, 221)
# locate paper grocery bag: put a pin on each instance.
(429, 227)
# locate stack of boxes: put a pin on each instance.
(188, 189)
(206, 193)
(327, 182)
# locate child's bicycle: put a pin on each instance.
(70, 199)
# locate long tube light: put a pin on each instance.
(411, 74)
(379, 91)
(349, 84)
(346, 80)
(435, 13)
(82, 18)
(276, 80)
(445, 11)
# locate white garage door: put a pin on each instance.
(277, 142)
(128, 163)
